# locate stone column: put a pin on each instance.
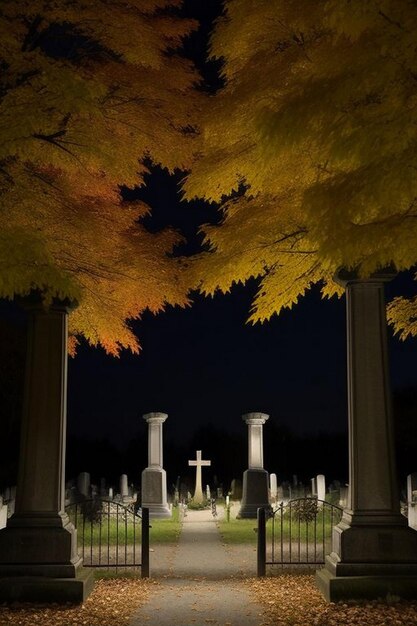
(154, 480)
(39, 541)
(374, 552)
(255, 478)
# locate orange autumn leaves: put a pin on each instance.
(88, 92)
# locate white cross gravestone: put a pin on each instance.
(198, 464)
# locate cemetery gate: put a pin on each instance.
(111, 534)
(296, 533)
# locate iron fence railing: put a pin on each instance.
(298, 532)
(111, 534)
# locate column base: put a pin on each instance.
(154, 492)
(370, 562)
(45, 550)
(254, 494)
(45, 589)
(340, 588)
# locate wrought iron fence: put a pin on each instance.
(111, 534)
(297, 533)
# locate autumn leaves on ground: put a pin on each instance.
(288, 600)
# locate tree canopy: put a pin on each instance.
(311, 148)
(88, 92)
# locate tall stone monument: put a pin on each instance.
(198, 464)
(374, 552)
(154, 478)
(255, 478)
(38, 548)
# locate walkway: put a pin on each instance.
(201, 585)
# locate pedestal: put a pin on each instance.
(374, 552)
(254, 494)
(154, 492)
(38, 548)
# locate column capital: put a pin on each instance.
(35, 301)
(255, 418)
(155, 417)
(345, 277)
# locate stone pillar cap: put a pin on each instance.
(344, 276)
(255, 418)
(155, 417)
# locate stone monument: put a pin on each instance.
(154, 478)
(374, 552)
(38, 548)
(321, 486)
(255, 478)
(198, 464)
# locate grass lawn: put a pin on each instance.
(126, 530)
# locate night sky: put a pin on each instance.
(205, 366)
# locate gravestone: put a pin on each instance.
(154, 478)
(273, 487)
(198, 464)
(3, 513)
(314, 486)
(83, 484)
(412, 487)
(208, 493)
(111, 495)
(236, 489)
(255, 478)
(124, 489)
(321, 487)
(343, 496)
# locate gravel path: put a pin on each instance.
(200, 584)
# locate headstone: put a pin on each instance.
(83, 484)
(412, 487)
(3, 513)
(124, 489)
(343, 496)
(255, 478)
(321, 487)
(273, 487)
(111, 496)
(220, 492)
(154, 478)
(198, 464)
(236, 489)
(208, 492)
(314, 486)
(280, 493)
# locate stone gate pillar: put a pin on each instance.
(38, 549)
(154, 478)
(374, 552)
(255, 478)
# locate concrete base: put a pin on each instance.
(255, 493)
(154, 493)
(44, 589)
(339, 588)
